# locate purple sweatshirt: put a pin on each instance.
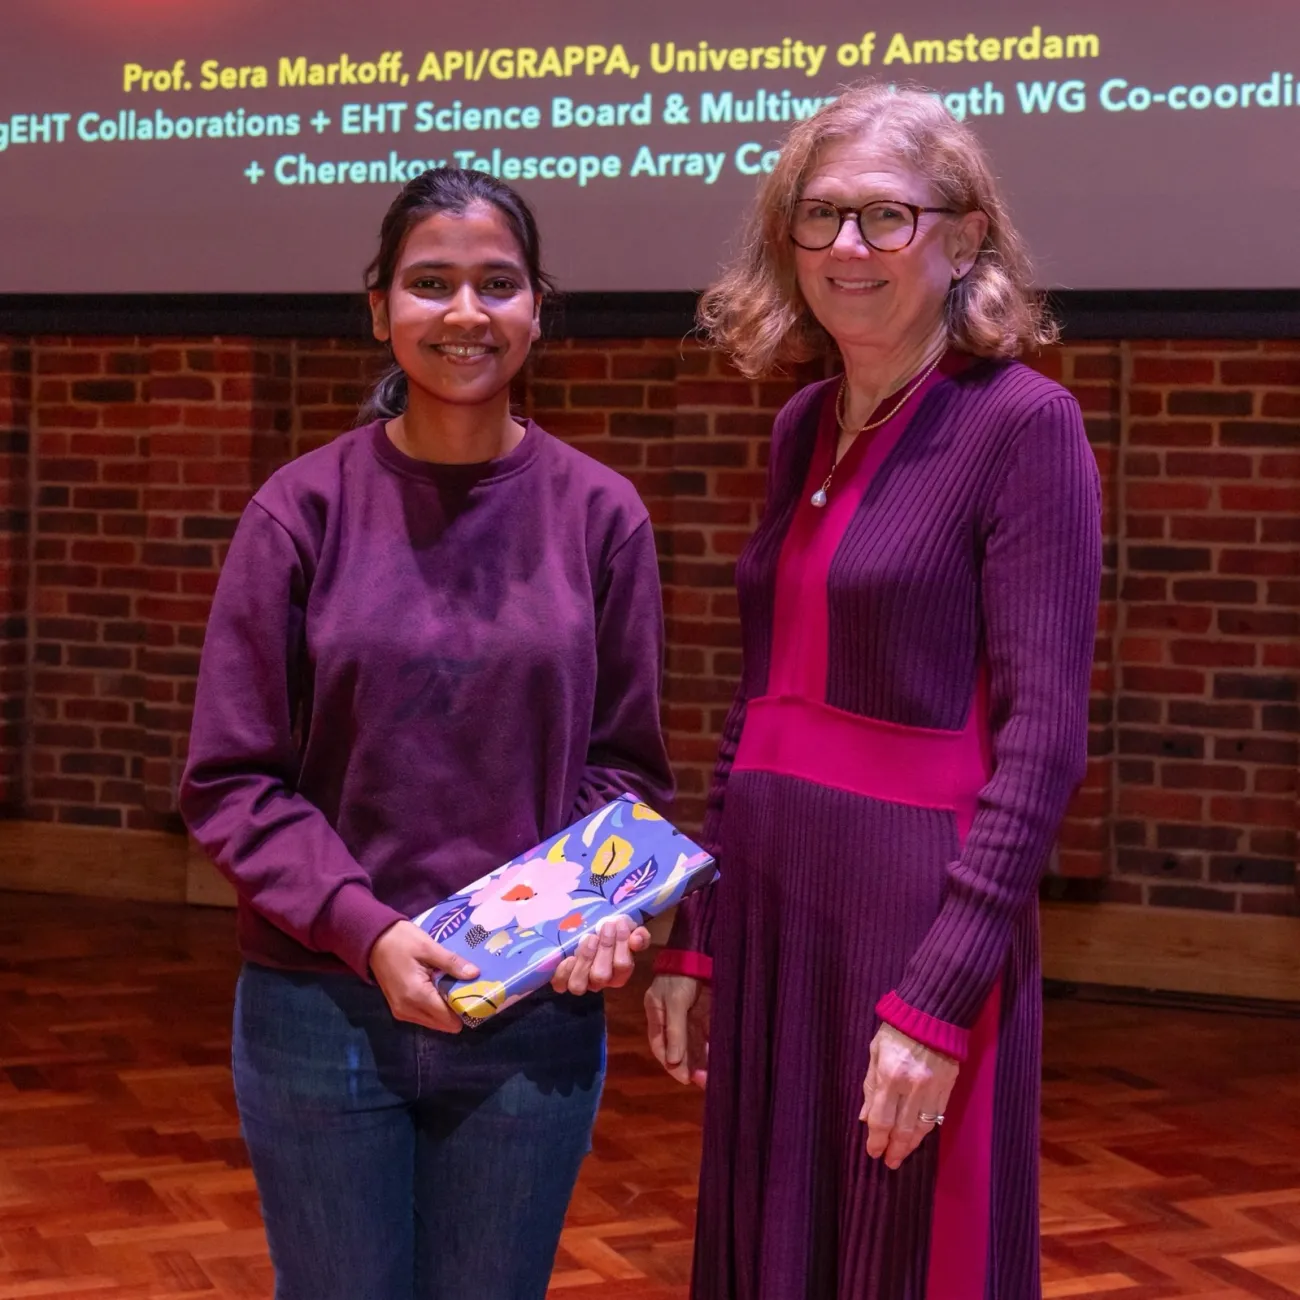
(413, 673)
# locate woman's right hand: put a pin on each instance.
(405, 962)
(677, 1020)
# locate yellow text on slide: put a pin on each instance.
(136, 76)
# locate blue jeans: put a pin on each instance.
(395, 1163)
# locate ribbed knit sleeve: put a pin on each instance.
(1039, 586)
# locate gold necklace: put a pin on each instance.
(819, 497)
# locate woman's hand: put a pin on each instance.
(602, 961)
(404, 962)
(677, 1021)
(905, 1081)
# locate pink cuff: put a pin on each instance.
(681, 961)
(951, 1040)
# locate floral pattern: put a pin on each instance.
(518, 923)
(525, 894)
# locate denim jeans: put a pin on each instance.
(396, 1163)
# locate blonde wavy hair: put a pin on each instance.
(755, 312)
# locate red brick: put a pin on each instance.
(104, 444)
(1138, 464)
(1166, 496)
(1283, 592)
(1208, 464)
(1235, 591)
(1253, 812)
(103, 552)
(1200, 897)
(1092, 366)
(1142, 650)
(1168, 559)
(1159, 805)
(1258, 433)
(1163, 681)
(1284, 529)
(1202, 776)
(1259, 497)
(182, 388)
(68, 363)
(1259, 623)
(1282, 406)
(716, 392)
(1145, 528)
(1213, 528)
(1280, 465)
(1163, 371)
(1209, 402)
(1276, 780)
(1266, 563)
(1095, 399)
(1272, 373)
(1212, 654)
(748, 486)
(1145, 588)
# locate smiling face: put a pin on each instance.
(865, 298)
(460, 313)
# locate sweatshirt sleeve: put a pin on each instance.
(626, 751)
(1039, 590)
(238, 793)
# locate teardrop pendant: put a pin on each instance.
(819, 498)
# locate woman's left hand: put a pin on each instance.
(905, 1081)
(603, 961)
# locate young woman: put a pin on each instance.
(435, 642)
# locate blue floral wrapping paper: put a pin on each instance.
(518, 923)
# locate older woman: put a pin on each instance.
(918, 608)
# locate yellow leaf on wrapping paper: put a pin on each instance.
(480, 999)
(557, 851)
(642, 812)
(502, 939)
(613, 856)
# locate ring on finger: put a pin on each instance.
(926, 1118)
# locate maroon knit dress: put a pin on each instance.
(909, 728)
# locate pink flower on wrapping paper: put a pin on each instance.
(526, 894)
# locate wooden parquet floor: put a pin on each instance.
(1171, 1157)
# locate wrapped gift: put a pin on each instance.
(518, 923)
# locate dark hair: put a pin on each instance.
(442, 189)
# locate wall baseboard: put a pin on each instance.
(1174, 950)
(53, 858)
(148, 866)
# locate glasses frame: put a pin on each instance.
(856, 213)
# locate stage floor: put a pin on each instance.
(1171, 1138)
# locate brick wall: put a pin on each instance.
(139, 454)
(1209, 651)
(15, 462)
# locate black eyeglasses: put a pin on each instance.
(886, 226)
